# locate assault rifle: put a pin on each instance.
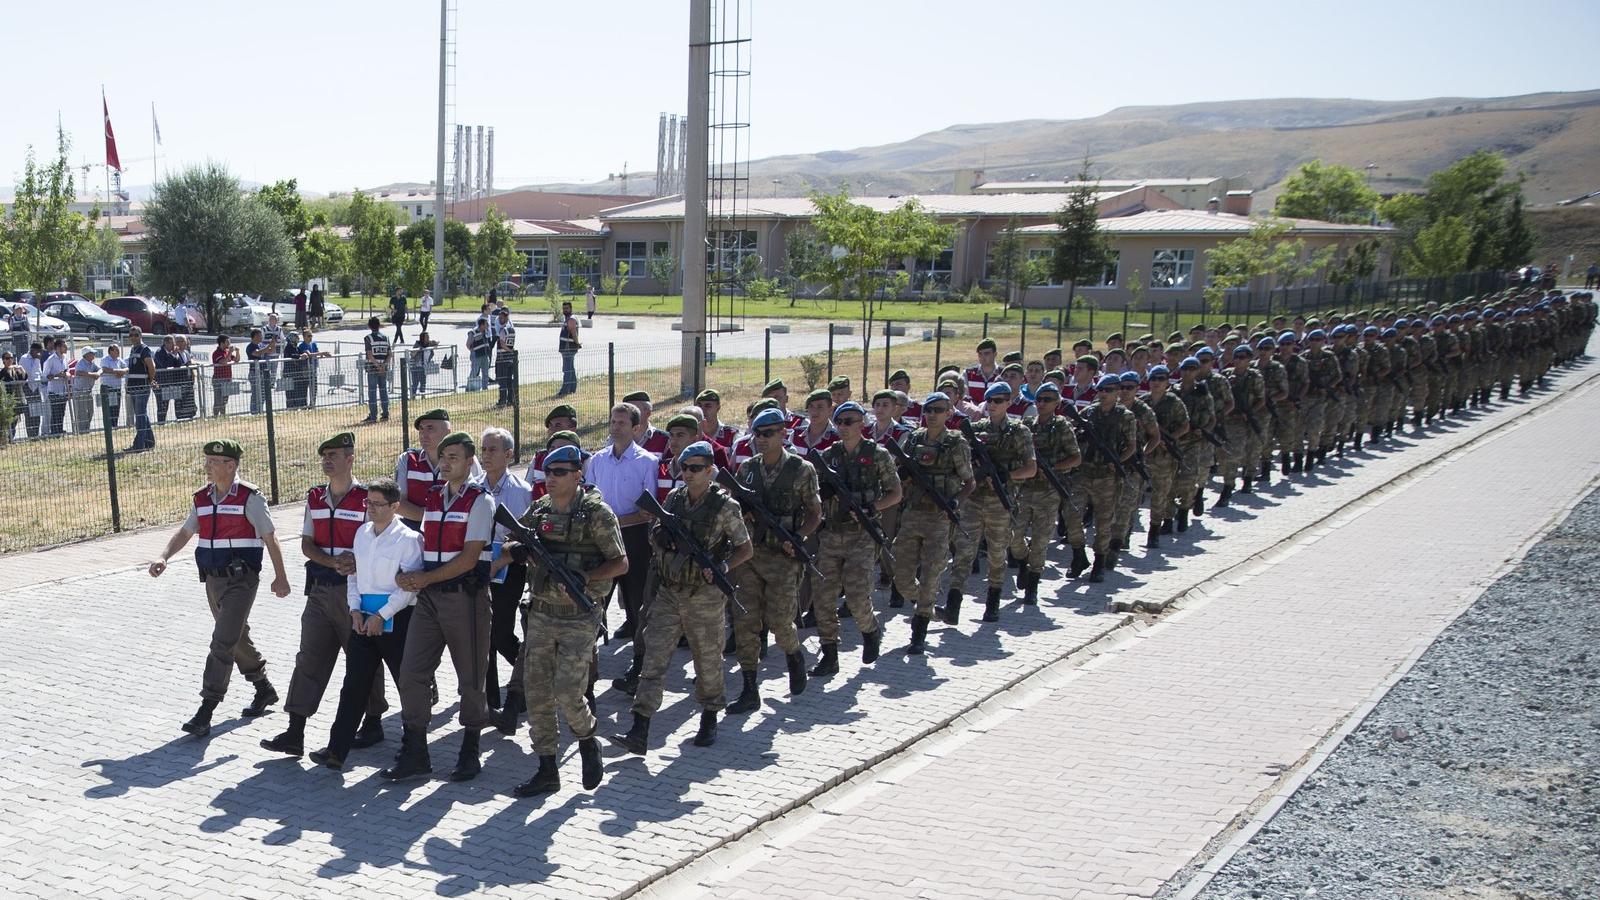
(1171, 443)
(986, 469)
(683, 541)
(750, 501)
(833, 482)
(573, 583)
(1088, 431)
(1054, 478)
(924, 481)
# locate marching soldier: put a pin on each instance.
(1296, 382)
(1010, 446)
(231, 520)
(922, 546)
(1275, 387)
(1111, 429)
(1148, 433)
(1172, 424)
(1197, 450)
(1038, 502)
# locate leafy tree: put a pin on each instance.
(1008, 259)
(457, 246)
(105, 249)
(1477, 191)
(1326, 191)
(1080, 251)
(613, 284)
(283, 198)
(374, 248)
(1358, 264)
(206, 236)
(325, 254)
(1443, 248)
(416, 269)
(46, 241)
(494, 250)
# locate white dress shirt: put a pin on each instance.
(111, 369)
(512, 492)
(379, 557)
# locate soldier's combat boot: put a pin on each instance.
(1505, 392)
(1080, 562)
(1095, 576)
(1355, 438)
(370, 733)
(293, 739)
(1246, 487)
(950, 613)
(265, 697)
(1166, 527)
(1222, 498)
(749, 698)
(545, 781)
(467, 764)
(1109, 561)
(412, 760)
(629, 682)
(589, 753)
(505, 721)
(797, 672)
(1030, 591)
(897, 600)
(872, 644)
(637, 738)
(1266, 469)
(919, 635)
(1285, 462)
(844, 610)
(1153, 539)
(1296, 464)
(1183, 518)
(1377, 433)
(1416, 419)
(828, 662)
(1199, 505)
(991, 606)
(1061, 526)
(705, 737)
(199, 724)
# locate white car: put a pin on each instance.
(239, 313)
(332, 312)
(41, 323)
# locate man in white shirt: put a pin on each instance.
(32, 362)
(622, 471)
(111, 372)
(84, 376)
(55, 386)
(425, 308)
(384, 548)
(507, 579)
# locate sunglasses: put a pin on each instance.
(1006, 399)
(768, 432)
(853, 420)
(696, 467)
(559, 473)
(934, 410)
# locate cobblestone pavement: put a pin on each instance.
(101, 795)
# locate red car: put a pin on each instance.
(148, 314)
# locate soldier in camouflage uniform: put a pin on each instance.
(1348, 395)
(1248, 392)
(1322, 379)
(769, 586)
(1290, 420)
(846, 552)
(1416, 377)
(1279, 422)
(1197, 450)
(1147, 432)
(686, 603)
(1379, 392)
(1222, 404)
(922, 546)
(1010, 445)
(1038, 502)
(1172, 424)
(1110, 438)
(581, 532)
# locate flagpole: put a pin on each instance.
(154, 143)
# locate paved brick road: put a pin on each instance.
(101, 795)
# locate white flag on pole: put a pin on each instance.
(155, 125)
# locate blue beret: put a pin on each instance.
(1498, 316)
(563, 454)
(1488, 312)
(767, 418)
(1266, 343)
(1107, 382)
(1518, 313)
(998, 389)
(1454, 319)
(1402, 323)
(1129, 377)
(1161, 372)
(1436, 320)
(1189, 362)
(936, 397)
(1470, 316)
(1317, 334)
(1204, 353)
(703, 448)
(1286, 338)
(1370, 329)
(1390, 332)
(1048, 387)
(1241, 350)
(848, 406)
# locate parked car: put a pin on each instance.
(82, 316)
(38, 322)
(17, 296)
(150, 315)
(332, 313)
(239, 313)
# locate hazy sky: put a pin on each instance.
(342, 93)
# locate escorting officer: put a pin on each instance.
(768, 587)
(713, 430)
(979, 377)
(231, 519)
(922, 545)
(582, 533)
(686, 604)
(1010, 446)
(561, 418)
(334, 513)
(1038, 502)
(845, 552)
(1116, 429)
(452, 611)
(651, 438)
(417, 469)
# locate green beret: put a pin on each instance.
(1011, 367)
(1114, 336)
(344, 440)
(1199, 328)
(775, 384)
(843, 381)
(956, 382)
(1014, 356)
(1225, 326)
(1055, 373)
(986, 344)
(560, 411)
(1313, 323)
(459, 437)
(1053, 352)
(437, 414)
(1116, 351)
(1146, 338)
(708, 395)
(684, 420)
(1089, 359)
(1197, 346)
(759, 405)
(563, 436)
(223, 447)
(818, 394)
(637, 397)
(885, 394)
(900, 374)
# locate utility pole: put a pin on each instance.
(438, 179)
(694, 196)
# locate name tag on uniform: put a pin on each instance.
(352, 515)
(455, 516)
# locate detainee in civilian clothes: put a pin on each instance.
(112, 369)
(84, 376)
(621, 471)
(55, 386)
(334, 513)
(380, 616)
(233, 524)
(141, 374)
(507, 578)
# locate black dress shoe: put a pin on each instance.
(327, 759)
(371, 733)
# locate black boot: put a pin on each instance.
(991, 606)
(593, 771)
(467, 764)
(1153, 539)
(1266, 469)
(1297, 463)
(1222, 498)
(1246, 487)
(828, 662)
(705, 737)
(797, 672)
(545, 781)
(1356, 440)
(1166, 527)
(265, 697)
(370, 733)
(1095, 576)
(896, 599)
(950, 614)
(1183, 519)
(1110, 560)
(1285, 462)
(293, 739)
(326, 759)
(412, 760)
(200, 724)
(872, 644)
(749, 698)
(505, 721)
(629, 682)
(1030, 587)
(637, 738)
(1080, 562)
(1199, 505)
(919, 635)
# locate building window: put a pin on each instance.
(660, 248)
(1108, 277)
(632, 254)
(1172, 270)
(727, 251)
(934, 274)
(589, 268)
(1043, 253)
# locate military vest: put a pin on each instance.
(679, 568)
(938, 459)
(1053, 441)
(859, 472)
(572, 538)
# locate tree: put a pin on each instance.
(1238, 263)
(1008, 259)
(374, 249)
(494, 250)
(1080, 251)
(457, 246)
(105, 249)
(206, 236)
(1476, 191)
(1441, 249)
(47, 242)
(416, 269)
(283, 198)
(1330, 192)
(325, 255)
(613, 284)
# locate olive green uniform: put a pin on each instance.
(769, 583)
(922, 546)
(846, 552)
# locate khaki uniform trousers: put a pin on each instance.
(697, 612)
(921, 550)
(768, 587)
(230, 598)
(845, 554)
(324, 633)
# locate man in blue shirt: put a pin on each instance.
(141, 373)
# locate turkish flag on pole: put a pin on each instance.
(112, 160)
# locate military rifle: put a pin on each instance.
(832, 481)
(924, 481)
(683, 541)
(750, 501)
(572, 582)
(987, 470)
(1088, 431)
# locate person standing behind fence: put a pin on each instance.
(424, 308)
(310, 353)
(567, 345)
(222, 360)
(20, 327)
(33, 389)
(167, 362)
(236, 527)
(505, 360)
(13, 379)
(300, 319)
(479, 343)
(84, 376)
(141, 373)
(377, 350)
(294, 374)
(55, 386)
(185, 406)
(589, 304)
(319, 305)
(112, 369)
(397, 314)
(419, 360)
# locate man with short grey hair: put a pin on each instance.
(507, 579)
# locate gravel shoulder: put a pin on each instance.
(1478, 775)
